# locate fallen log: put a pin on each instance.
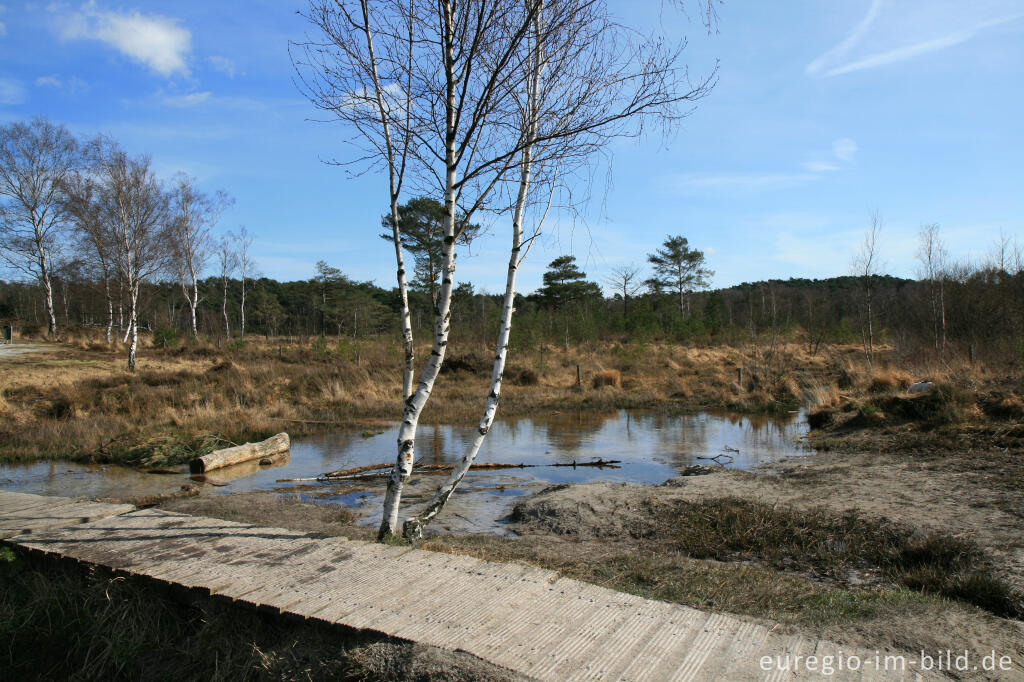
(370, 471)
(240, 453)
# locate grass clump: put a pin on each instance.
(829, 545)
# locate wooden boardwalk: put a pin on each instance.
(525, 619)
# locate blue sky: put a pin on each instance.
(824, 112)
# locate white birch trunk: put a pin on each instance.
(442, 312)
(241, 310)
(44, 272)
(133, 326)
(394, 186)
(193, 302)
(415, 403)
(413, 527)
(224, 311)
(110, 308)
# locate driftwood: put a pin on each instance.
(370, 471)
(240, 453)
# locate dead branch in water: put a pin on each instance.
(370, 471)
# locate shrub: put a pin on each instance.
(165, 337)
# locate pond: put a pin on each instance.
(650, 446)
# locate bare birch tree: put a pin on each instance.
(193, 216)
(360, 72)
(243, 243)
(866, 266)
(577, 83)
(482, 104)
(36, 157)
(134, 206)
(227, 261)
(96, 239)
(932, 255)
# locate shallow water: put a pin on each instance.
(651, 446)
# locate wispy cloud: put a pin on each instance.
(742, 181)
(820, 166)
(844, 148)
(946, 30)
(11, 92)
(224, 65)
(159, 42)
(72, 86)
(184, 101)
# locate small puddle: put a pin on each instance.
(651, 446)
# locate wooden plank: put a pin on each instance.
(524, 618)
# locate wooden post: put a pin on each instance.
(970, 353)
(579, 382)
(739, 376)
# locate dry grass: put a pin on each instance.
(80, 403)
(608, 377)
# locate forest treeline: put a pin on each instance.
(983, 307)
(100, 241)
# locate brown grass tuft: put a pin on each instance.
(608, 377)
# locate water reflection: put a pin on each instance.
(653, 446)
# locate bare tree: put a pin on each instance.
(932, 255)
(866, 266)
(36, 157)
(361, 73)
(481, 96)
(193, 216)
(134, 206)
(227, 260)
(96, 239)
(623, 280)
(243, 243)
(574, 84)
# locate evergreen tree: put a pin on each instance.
(679, 269)
(422, 221)
(565, 282)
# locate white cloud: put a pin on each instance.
(159, 42)
(72, 86)
(844, 148)
(907, 32)
(820, 166)
(224, 65)
(183, 101)
(11, 92)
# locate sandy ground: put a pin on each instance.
(14, 350)
(922, 495)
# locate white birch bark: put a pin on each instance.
(110, 308)
(442, 313)
(413, 527)
(133, 326)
